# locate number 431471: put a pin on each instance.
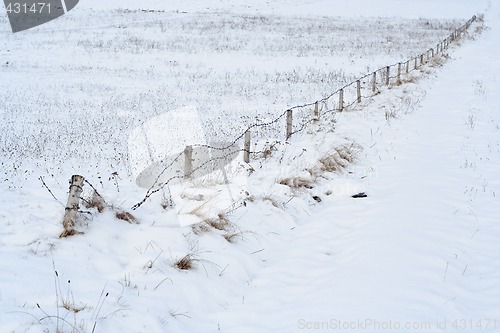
(483, 324)
(24, 8)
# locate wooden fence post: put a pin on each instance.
(358, 90)
(246, 147)
(432, 53)
(398, 82)
(407, 66)
(315, 116)
(416, 63)
(188, 162)
(341, 100)
(289, 123)
(387, 75)
(72, 206)
(374, 82)
(421, 59)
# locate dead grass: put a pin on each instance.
(191, 261)
(69, 233)
(297, 182)
(95, 201)
(348, 152)
(233, 237)
(336, 160)
(221, 222)
(273, 201)
(269, 148)
(389, 115)
(188, 262)
(437, 61)
(126, 216)
(200, 228)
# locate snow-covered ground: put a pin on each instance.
(297, 253)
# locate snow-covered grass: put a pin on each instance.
(283, 247)
(142, 64)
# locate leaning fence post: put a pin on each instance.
(289, 123)
(341, 100)
(374, 82)
(246, 147)
(358, 90)
(73, 205)
(188, 161)
(387, 75)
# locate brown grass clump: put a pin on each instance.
(200, 228)
(221, 222)
(69, 233)
(232, 237)
(297, 182)
(96, 201)
(126, 216)
(187, 262)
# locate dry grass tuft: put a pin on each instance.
(200, 228)
(348, 152)
(187, 262)
(437, 61)
(273, 201)
(232, 237)
(221, 222)
(333, 163)
(69, 233)
(96, 201)
(269, 148)
(297, 182)
(126, 216)
(337, 159)
(389, 115)
(70, 307)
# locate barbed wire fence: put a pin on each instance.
(297, 118)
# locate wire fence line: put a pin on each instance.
(351, 94)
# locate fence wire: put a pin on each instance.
(275, 127)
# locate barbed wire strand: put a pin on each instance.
(380, 74)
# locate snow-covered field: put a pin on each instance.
(284, 247)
